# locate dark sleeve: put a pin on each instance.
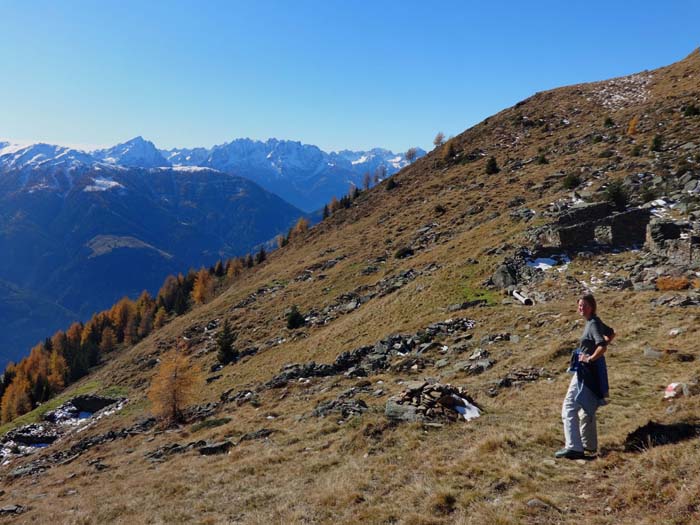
(596, 333)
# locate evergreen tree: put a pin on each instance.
(224, 342)
(294, 318)
(326, 212)
(260, 256)
(492, 166)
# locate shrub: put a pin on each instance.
(597, 138)
(667, 283)
(391, 184)
(571, 181)
(541, 159)
(637, 151)
(295, 319)
(609, 122)
(492, 166)
(606, 154)
(440, 209)
(616, 194)
(657, 143)
(403, 252)
(691, 111)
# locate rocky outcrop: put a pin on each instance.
(370, 359)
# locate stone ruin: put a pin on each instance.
(679, 241)
(594, 224)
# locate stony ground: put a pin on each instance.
(296, 431)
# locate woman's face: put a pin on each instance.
(584, 309)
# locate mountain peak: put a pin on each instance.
(136, 152)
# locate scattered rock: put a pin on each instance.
(12, 509)
(221, 447)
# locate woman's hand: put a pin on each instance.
(584, 358)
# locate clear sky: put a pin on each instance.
(335, 73)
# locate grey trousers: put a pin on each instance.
(580, 429)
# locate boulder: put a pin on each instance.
(221, 447)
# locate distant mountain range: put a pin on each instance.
(80, 229)
(301, 174)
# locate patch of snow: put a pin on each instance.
(102, 184)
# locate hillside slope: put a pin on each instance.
(313, 444)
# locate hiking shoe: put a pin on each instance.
(568, 453)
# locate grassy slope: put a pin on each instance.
(315, 470)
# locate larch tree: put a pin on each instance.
(203, 287)
(439, 139)
(173, 387)
(411, 154)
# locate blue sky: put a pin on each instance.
(339, 74)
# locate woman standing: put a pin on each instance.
(588, 387)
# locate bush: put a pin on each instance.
(403, 252)
(606, 154)
(440, 209)
(541, 159)
(657, 143)
(616, 194)
(691, 111)
(637, 151)
(295, 319)
(609, 122)
(571, 181)
(391, 184)
(492, 166)
(666, 283)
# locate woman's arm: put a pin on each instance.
(599, 351)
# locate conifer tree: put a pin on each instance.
(203, 287)
(260, 256)
(160, 319)
(173, 387)
(224, 341)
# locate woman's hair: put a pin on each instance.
(588, 298)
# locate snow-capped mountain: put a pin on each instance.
(301, 174)
(136, 152)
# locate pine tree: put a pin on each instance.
(249, 262)
(224, 342)
(492, 166)
(260, 256)
(294, 318)
(173, 387)
(326, 212)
